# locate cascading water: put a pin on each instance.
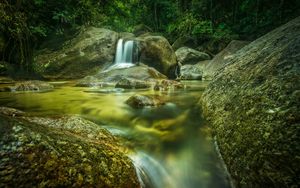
(126, 54)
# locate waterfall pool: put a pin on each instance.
(170, 145)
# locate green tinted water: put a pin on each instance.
(171, 145)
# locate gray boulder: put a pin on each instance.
(193, 72)
(187, 55)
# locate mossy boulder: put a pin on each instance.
(222, 58)
(253, 106)
(60, 152)
(88, 52)
(157, 52)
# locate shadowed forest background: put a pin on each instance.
(25, 24)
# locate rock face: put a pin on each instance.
(60, 152)
(222, 58)
(33, 85)
(253, 105)
(84, 55)
(135, 74)
(156, 52)
(187, 55)
(193, 72)
(140, 101)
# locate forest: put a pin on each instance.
(150, 93)
(25, 24)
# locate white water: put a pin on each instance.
(124, 55)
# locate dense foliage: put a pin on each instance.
(24, 24)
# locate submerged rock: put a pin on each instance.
(60, 152)
(222, 58)
(164, 85)
(158, 53)
(140, 101)
(84, 55)
(33, 85)
(253, 105)
(187, 55)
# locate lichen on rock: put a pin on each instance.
(60, 152)
(253, 106)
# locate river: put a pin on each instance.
(171, 145)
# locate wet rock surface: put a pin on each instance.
(84, 55)
(33, 85)
(253, 106)
(126, 77)
(187, 55)
(65, 151)
(140, 101)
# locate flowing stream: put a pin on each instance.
(170, 145)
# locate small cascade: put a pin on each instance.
(126, 54)
(150, 172)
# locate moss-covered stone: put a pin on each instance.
(85, 54)
(60, 152)
(253, 104)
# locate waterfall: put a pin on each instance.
(126, 54)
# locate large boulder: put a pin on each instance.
(193, 72)
(92, 49)
(187, 55)
(60, 152)
(222, 58)
(156, 52)
(126, 77)
(253, 106)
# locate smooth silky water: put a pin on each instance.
(170, 145)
